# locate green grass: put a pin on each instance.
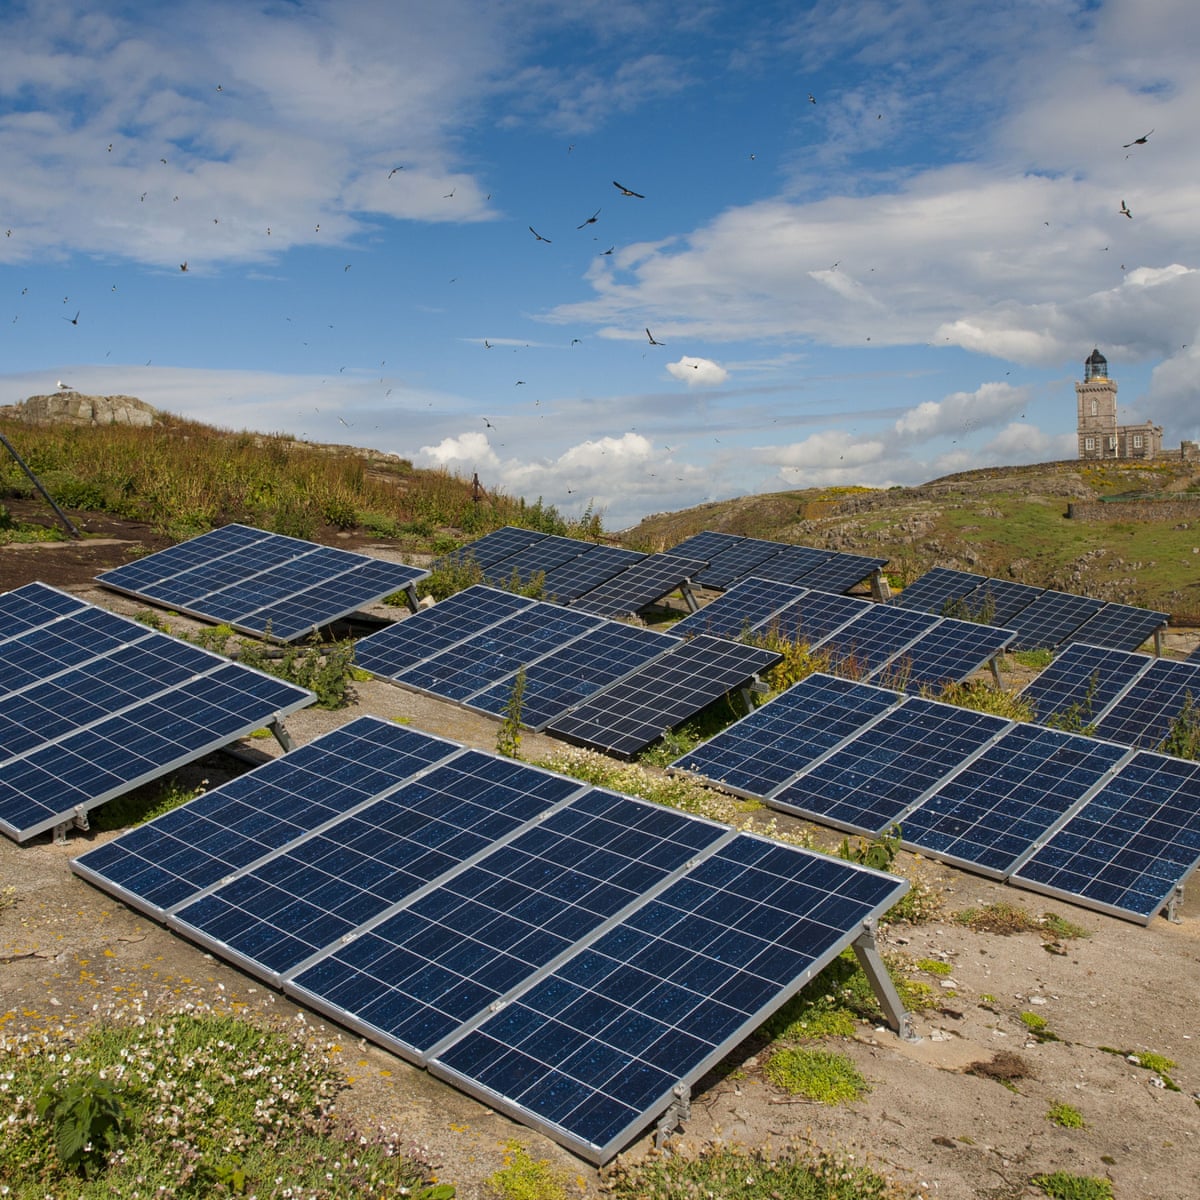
(821, 1075)
(524, 1178)
(1066, 1116)
(1062, 1185)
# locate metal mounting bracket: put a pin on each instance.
(77, 821)
(680, 1110)
(282, 736)
(867, 953)
(1173, 903)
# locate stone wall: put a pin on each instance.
(1177, 509)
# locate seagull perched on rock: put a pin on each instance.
(65, 387)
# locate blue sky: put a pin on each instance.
(876, 240)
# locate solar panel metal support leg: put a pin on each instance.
(411, 592)
(678, 1112)
(1173, 903)
(880, 590)
(994, 663)
(78, 821)
(685, 590)
(896, 1015)
(282, 736)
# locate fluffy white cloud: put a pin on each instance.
(963, 412)
(698, 372)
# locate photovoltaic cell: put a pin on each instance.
(1130, 846)
(748, 603)
(492, 547)
(998, 601)
(791, 563)
(990, 813)
(1194, 657)
(592, 1052)
(540, 556)
(411, 979)
(841, 572)
(876, 636)
(1144, 713)
(1051, 619)
(737, 561)
(706, 545)
(432, 630)
(274, 915)
(563, 584)
(1121, 626)
(563, 677)
(765, 749)
(814, 616)
(1081, 683)
(948, 653)
(638, 585)
(32, 607)
(869, 781)
(159, 865)
(633, 712)
(937, 589)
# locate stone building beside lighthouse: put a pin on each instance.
(1099, 434)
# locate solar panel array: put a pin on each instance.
(261, 583)
(1016, 801)
(568, 954)
(639, 585)
(93, 704)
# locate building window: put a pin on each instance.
(1137, 441)
(1112, 443)
(1094, 408)
(1089, 443)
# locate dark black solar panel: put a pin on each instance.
(814, 616)
(763, 750)
(871, 780)
(706, 545)
(737, 561)
(998, 601)
(1144, 713)
(791, 563)
(633, 712)
(578, 575)
(593, 1052)
(939, 590)
(539, 558)
(990, 813)
(948, 653)
(841, 572)
(562, 678)
(261, 583)
(748, 603)
(875, 637)
(639, 585)
(432, 630)
(1051, 619)
(1081, 682)
(1121, 626)
(1130, 846)
(500, 543)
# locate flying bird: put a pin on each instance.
(1138, 141)
(609, 250)
(394, 170)
(486, 344)
(652, 341)
(488, 423)
(811, 98)
(627, 191)
(74, 320)
(1125, 210)
(538, 235)
(590, 221)
(183, 266)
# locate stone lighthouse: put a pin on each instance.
(1096, 407)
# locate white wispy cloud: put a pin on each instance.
(698, 372)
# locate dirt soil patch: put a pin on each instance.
(961, 1114)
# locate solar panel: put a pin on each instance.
(765, 749)
(814, 616)
(1121, 626)
(747, 604)
(948, 653)
(562, 678)
(1194, 657)
(594, 1051)
(1051, 619)
(737, 561)
(431, 630)
(563, 584)
(412, 978)
(841, 572)
(638, 585)
(791, 563)
(120, 704)
(539, 557)
(938, 590)
(492, 547)
(706, 545)
(1081, 683)
(1129, 848)
(275, 914)
(160, 865)
(497, 652)
(261, 583)
(633, 712)
(32, 606)
(869, 781)
(875, 637)
(998, 601)
(1144, 713)
(989, 814)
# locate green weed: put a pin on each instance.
(1062, 1185)
(1067, 1116)
(523, 1178)
(820, 1075)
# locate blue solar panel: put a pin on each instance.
(414, 977)
(748, 603)
(565, 676)
(159, 865)
(1051, 619)
(1144, 713)
(765, 749)
(998, 601)
(261, 583)
(841, 572)
(870, 781)
(989, 814)
(492, 547)
(791, 563)
(737, 561)
(563, 584)
(432, 630)
(1194, 657)
(538, 557)
(592, 1052)
(497, 652)
(814, 616)
(274, 915)
(1121, 626)
(33, 606)
(1080, 684)
(639, 585)
(706, 545)
(875, 637)
(938, 590)
(948, 653)
(628, 715)
(1130, 846)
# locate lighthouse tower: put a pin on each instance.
(1096, 408)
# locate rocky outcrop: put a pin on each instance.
(73, 408)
